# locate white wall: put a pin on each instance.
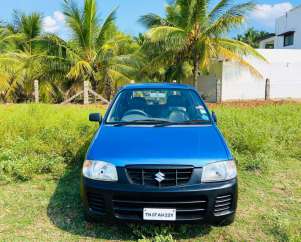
(271, 40)
(284, 73)
(291, 21)
(206, 84)
(239, 84)
(283, 69)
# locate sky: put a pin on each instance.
(129, 11)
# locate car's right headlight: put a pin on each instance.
(219, 171)
(100, 170)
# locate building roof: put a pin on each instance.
(158, 85)
(287, 32)
(267, 36)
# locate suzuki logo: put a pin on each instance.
(160, 177)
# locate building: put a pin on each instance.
(287, 32)
(280, 78)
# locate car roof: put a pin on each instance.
(157, 85)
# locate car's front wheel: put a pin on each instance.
(226, 221)
(88, 218)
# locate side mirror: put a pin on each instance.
(214, 117)
(95, 117)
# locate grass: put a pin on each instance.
(42, 147)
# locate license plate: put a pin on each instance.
(160, 214)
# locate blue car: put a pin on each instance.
(159, 156)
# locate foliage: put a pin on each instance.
(176, 47)
(30, 136)
(29, 144)
(252, 37)
(96, 52)
(194, 32)
(23, 60)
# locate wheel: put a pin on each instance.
(88, 218)
(226, 221)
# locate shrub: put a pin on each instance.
(39, 139)
(257, 136)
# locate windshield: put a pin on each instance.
(158, 106)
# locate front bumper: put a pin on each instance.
(209, 203)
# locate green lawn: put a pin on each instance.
(42, 147)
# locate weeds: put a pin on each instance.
(39, 139)
(46, 141)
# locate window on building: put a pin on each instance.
(288, 39)
(269, 46)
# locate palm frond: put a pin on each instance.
(199, 14)
(229, 55)
(54, 42)
(89, 22)
(230, 19)
(219, 9)
(116, 75)
(29, 25)
(80, 69)
(240, 48)
(74, 20)
(224, 25)
(152, 20)
(240, 9)
(105, 27)
(163, 33)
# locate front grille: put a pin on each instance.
(223, 204)
(170, 176)
(130, 207)
(96, 202)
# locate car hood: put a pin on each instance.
(173, 145)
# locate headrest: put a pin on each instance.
(175, 101)
(137, 103)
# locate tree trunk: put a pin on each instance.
(93, 82)
(195, 71)
(115, 87)
(108, 87)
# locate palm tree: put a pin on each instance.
(191, 31)
(95, 52)
(252, 37)
(18, 56)
(6, 38)
(28, 27)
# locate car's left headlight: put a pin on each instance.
(219, 171)
(100, 170)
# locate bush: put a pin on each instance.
(39, 139)
(258, 136)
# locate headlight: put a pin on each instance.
(99, 170)
(219, 171)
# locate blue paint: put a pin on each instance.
(195, 145)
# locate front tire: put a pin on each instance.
(88, 218)
(226, 221)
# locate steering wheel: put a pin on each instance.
(135, 112)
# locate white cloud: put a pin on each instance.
(50, 25)
(59, 16)
(267, 13)
(54, 23)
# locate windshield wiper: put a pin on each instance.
(183, 123)
(142, 121)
